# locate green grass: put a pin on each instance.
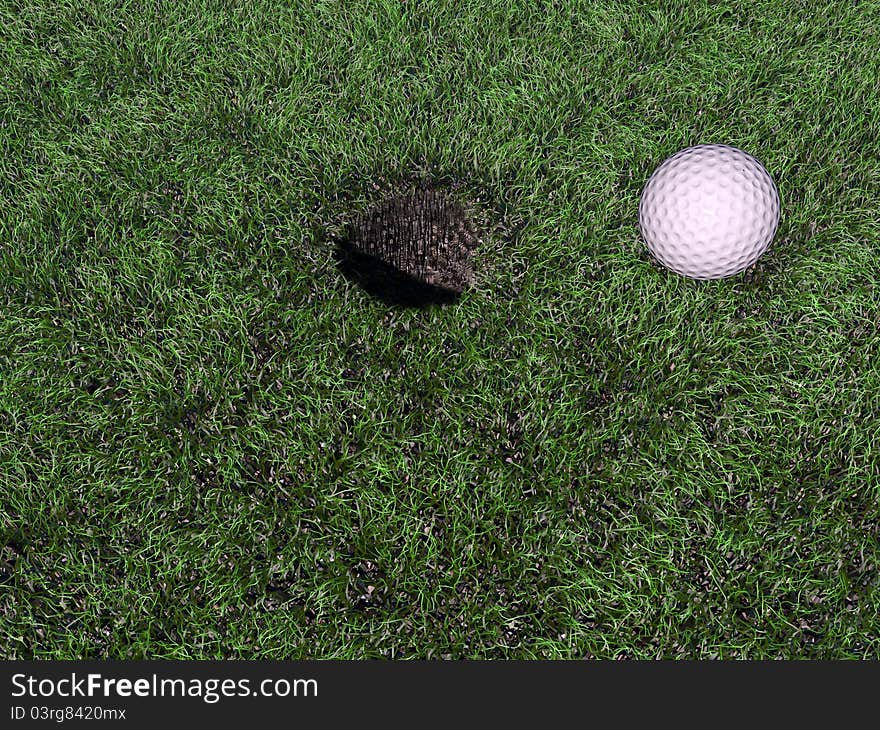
(213, 445)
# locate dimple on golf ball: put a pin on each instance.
(709, 211)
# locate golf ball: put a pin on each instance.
(709, 211)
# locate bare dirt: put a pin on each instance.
(413, 248)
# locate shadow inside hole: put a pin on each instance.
(387, 283)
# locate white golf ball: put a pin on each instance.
(709, 211)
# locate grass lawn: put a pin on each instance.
(213, 444)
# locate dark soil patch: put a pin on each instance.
(412, 249)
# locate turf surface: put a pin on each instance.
(212, 444)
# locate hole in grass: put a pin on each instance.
(413, 249)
